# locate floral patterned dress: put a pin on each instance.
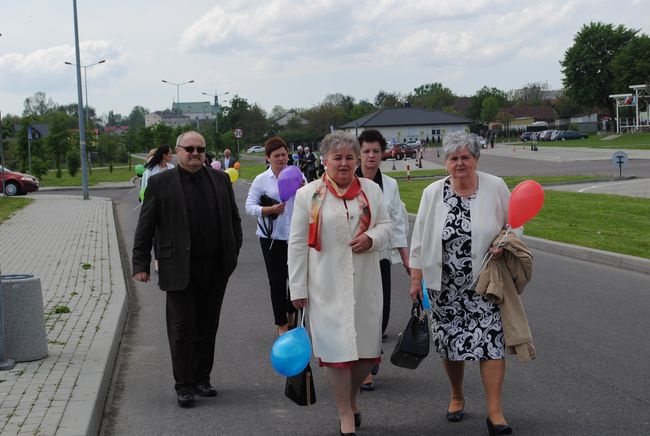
(465, 325)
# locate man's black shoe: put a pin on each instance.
(184, 398)
(205, 390)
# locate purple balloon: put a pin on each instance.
(289, 181)
(216, 165)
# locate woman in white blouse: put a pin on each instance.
(273, 221)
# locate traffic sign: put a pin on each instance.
(619, 158)
(238, 133)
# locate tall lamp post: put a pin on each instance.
(85, 67)
(80, 109)
(216, 107)
(178, 92)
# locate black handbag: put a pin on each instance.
(413, 343)
(300, 388)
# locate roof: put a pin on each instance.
(407, 116)
(196, 107)
(546, 113)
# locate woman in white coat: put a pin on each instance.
(338, 228)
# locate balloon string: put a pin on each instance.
(488, 256)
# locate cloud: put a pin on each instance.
(46, 68)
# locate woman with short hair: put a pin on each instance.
(338, 227)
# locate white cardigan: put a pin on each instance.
(489, 214)
(398, 216)
(344, 288)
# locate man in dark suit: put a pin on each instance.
(228, 160)
(192, 213)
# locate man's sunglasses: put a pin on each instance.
(190, 148)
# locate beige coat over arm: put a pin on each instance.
(344, 289)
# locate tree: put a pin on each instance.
(361, 109)
(114, 119)
(38, 105)
(476, 102)
(588, 78)
(386, 100)
(58, 139)
(531, 94)
(631, 66)
(431, 96)
(565, 107)
(136, 118)
(73, 159)
(490, 109)
(277, 112)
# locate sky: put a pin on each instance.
(287, 53)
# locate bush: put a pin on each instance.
(40, 167)
(74, 162)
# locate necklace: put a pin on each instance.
(465, 192)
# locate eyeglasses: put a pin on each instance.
(190, 148)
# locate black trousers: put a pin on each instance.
(384, 266)
(275, 258)
(192, 323)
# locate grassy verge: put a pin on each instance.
(119, 174)
(588, 220)
(250, 168)
(638, 141)
(10, 205)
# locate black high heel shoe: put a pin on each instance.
(357, 419)
(498, 428)
(456, 415)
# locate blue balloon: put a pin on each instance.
(291, 352)
(295, 156)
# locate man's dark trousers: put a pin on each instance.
(192, 323)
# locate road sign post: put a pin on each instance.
(620, 158)
(238, 134)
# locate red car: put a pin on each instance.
(398, 152)
(16, 183)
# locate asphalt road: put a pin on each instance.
(590, 324)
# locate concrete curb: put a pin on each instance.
(624, 261)
(83, 413)
(638, 264)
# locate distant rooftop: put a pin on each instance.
(406, 117)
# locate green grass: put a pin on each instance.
(250, 168)
(588, 220)
(594, 220)
(119, 174)
(9, 205)
(637, 141)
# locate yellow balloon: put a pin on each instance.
(236, 166)
(233, 173)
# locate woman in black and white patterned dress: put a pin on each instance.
(458, 218)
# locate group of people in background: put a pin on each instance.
(328, 250)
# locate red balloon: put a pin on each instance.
(526, 201)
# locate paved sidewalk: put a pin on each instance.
(52, 239)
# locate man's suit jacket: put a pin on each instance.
(164, 214)
(231, 162)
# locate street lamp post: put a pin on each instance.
(80, 109)
(178, 92)
(216, 106)
(85, 67)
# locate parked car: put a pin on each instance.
(570, 134)
(398, 152)
(255, 149)
(17, 183)
(482, 141)
(526, 136)
(413, 143)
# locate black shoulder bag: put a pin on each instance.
(413, 343)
